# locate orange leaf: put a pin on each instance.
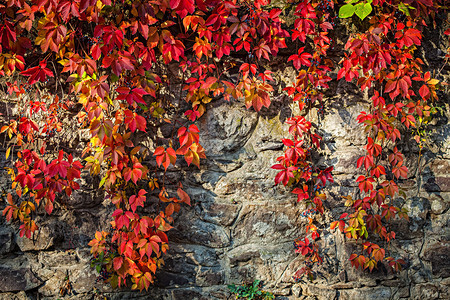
(184, 197)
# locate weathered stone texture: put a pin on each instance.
(241, 226)
(20, 279)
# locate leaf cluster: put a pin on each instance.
(250, 291)
(117, 63)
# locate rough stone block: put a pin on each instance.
(267, 222)
(438, 255)
(20, 279)
(425, 291)
(14, 296)
(6, 240)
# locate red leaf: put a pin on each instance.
(138, 200)
(165, 157)
(38, 73)
(284, 175)
(183, 7)
(134, 121)
(365, 183)
(378, 171)
(184, 197)
(301, 59)
(117, 262)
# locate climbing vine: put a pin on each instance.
(124, 69)
(379, 60)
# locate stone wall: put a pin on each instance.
(241, 226)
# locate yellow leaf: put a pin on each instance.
(8, 152)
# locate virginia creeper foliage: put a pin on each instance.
(111, 62)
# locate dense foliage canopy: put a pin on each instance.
(116, 63)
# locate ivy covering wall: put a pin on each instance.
(176, 147)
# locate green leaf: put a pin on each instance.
(404, 9)
(102, 182)
(143, 107)
(363, 10)
(114, 281)
(114, 77)
(346, 11)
